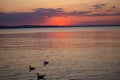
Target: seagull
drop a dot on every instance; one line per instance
(46, 62)
(40, 76)
(31, 68)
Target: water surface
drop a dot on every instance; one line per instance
(75, 53)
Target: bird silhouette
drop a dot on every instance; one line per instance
(46, 62)
(40, 76)
(31, 68)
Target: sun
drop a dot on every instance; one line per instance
(59, 21)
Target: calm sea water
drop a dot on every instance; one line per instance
(73, 53)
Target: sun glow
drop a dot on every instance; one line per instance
(59, 21)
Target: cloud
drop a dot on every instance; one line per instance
(113, 7)
(41, 15)
(104, 14)
(48, 12)
(99, 6)
(78, 13)
(99, 14)
(38, 15)
(116, 14)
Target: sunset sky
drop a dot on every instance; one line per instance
(60, 12)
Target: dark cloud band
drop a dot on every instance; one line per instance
(42, 15)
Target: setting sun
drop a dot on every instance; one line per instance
(59, 39)
(59, 21)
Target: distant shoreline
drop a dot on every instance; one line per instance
(57, 29)
(39, 26)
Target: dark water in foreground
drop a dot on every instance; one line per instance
(73, 55)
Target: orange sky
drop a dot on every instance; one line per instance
(59, 12)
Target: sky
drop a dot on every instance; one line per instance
(59, 12)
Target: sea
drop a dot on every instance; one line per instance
(74, 53)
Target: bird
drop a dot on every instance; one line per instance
(31, 68)
(40, 76)
(46, 62)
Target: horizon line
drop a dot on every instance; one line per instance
(50, 26)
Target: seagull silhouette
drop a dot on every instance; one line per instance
(46, 62)
(31, 68)
(40, 76)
